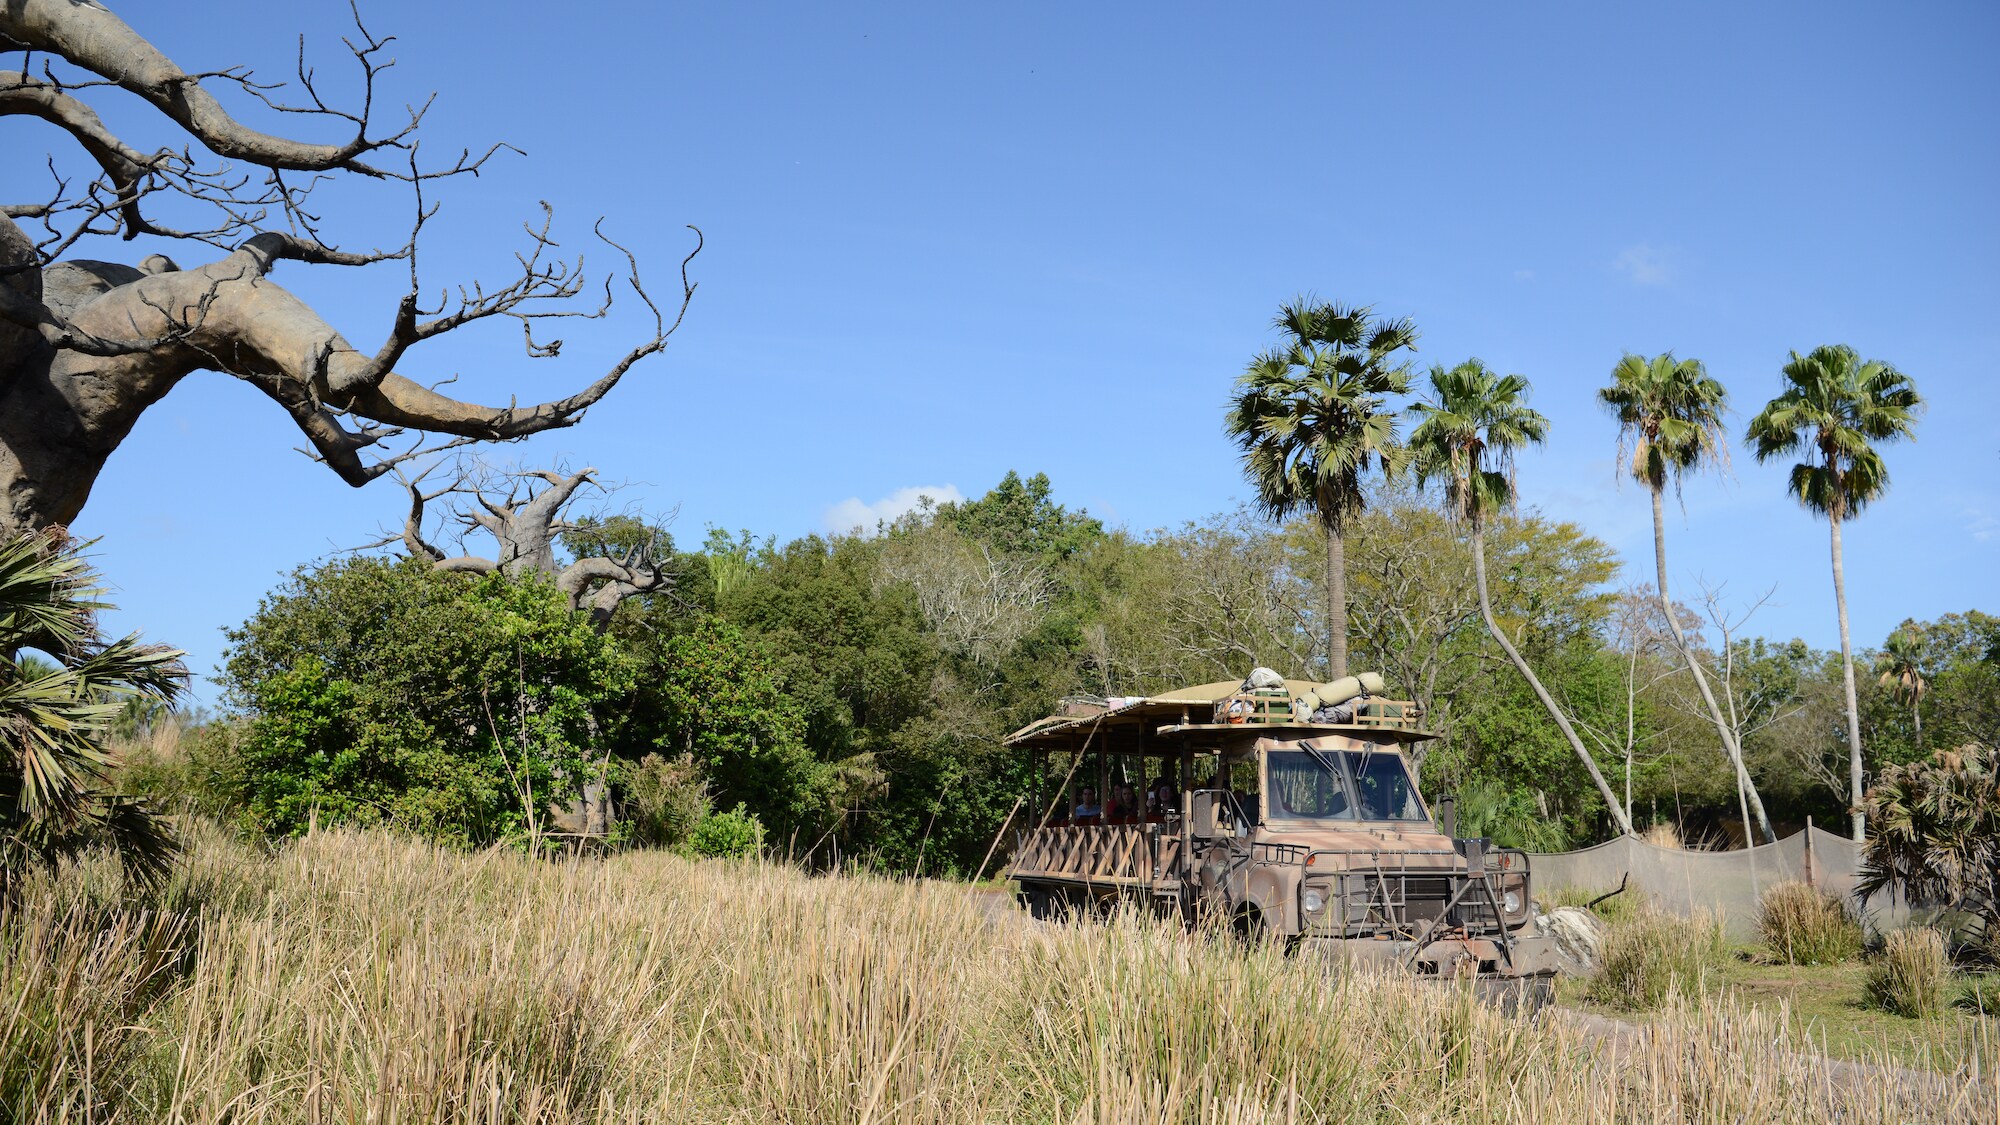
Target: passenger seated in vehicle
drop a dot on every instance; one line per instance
(1124, 803)
(1162, 798)
(1086, 803)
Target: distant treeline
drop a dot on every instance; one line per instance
(850, 693)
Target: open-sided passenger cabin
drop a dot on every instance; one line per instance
(1215, 755)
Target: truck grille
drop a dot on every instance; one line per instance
(1386, 902)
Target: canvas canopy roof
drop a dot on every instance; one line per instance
(1133, 716)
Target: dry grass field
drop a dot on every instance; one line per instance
(364, 978)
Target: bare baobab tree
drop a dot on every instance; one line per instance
(87, 346)
(526, 521)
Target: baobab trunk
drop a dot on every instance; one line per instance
(1336, 605)
(1724, 729)
(1857, 814)
(1611, 801)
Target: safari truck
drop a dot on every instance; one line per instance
(1286, 809)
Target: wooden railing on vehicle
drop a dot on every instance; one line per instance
(1264, 709)
(1116, 854)
(1399, 714)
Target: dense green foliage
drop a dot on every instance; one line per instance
(383, 692)
(851, 693)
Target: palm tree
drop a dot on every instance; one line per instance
(1899, 667)
(1834, 407)
(1472, 423)
(1669, 414)
(1310, 416)
(57, 706)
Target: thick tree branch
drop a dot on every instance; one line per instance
(525, 530)
(87, 35)
(124, 165)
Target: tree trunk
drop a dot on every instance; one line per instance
(1336, 605)
(1631, 720)
(1723, 728)
(1486, 611)
(1856, 814)
(1917, 719)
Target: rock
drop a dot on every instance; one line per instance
(1578, 936)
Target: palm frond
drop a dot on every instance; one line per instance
(1312, 414)
(56, 717)
(1472, 423)
(1840, 407)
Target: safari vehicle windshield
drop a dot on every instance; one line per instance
(1341, 785)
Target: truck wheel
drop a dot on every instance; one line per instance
(1252, 930)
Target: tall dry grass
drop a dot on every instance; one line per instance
(1652, 956)
(363, 978)
(1911, 974)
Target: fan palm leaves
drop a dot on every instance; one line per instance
(1937, 834)
(1670, 423)
(1900, 668)
(1311, 416)
(57, 706)
(1834, 408)
(1669, 415)
(1468, 431)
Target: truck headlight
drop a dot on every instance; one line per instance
(1511, 902)
(1313, 901)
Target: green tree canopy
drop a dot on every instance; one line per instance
(384, 692)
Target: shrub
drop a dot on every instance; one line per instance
(728, 835)
(1909, 978)
(1934, 835)
(1980, 996)
(195, 769)
(1510, 817)
(1653, 955)
(1803, 925)
(665, 799)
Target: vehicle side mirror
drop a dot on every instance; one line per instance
(1202, 807)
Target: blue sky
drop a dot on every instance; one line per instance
(946, 241)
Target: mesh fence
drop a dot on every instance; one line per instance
(1729, 883)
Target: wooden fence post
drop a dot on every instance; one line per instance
(1812, 880)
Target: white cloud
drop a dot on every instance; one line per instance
(1980, 525)
(1645, 264)
(852, 514)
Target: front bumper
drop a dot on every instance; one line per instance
(1526, 955)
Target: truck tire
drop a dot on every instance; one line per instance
(1252, 930)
